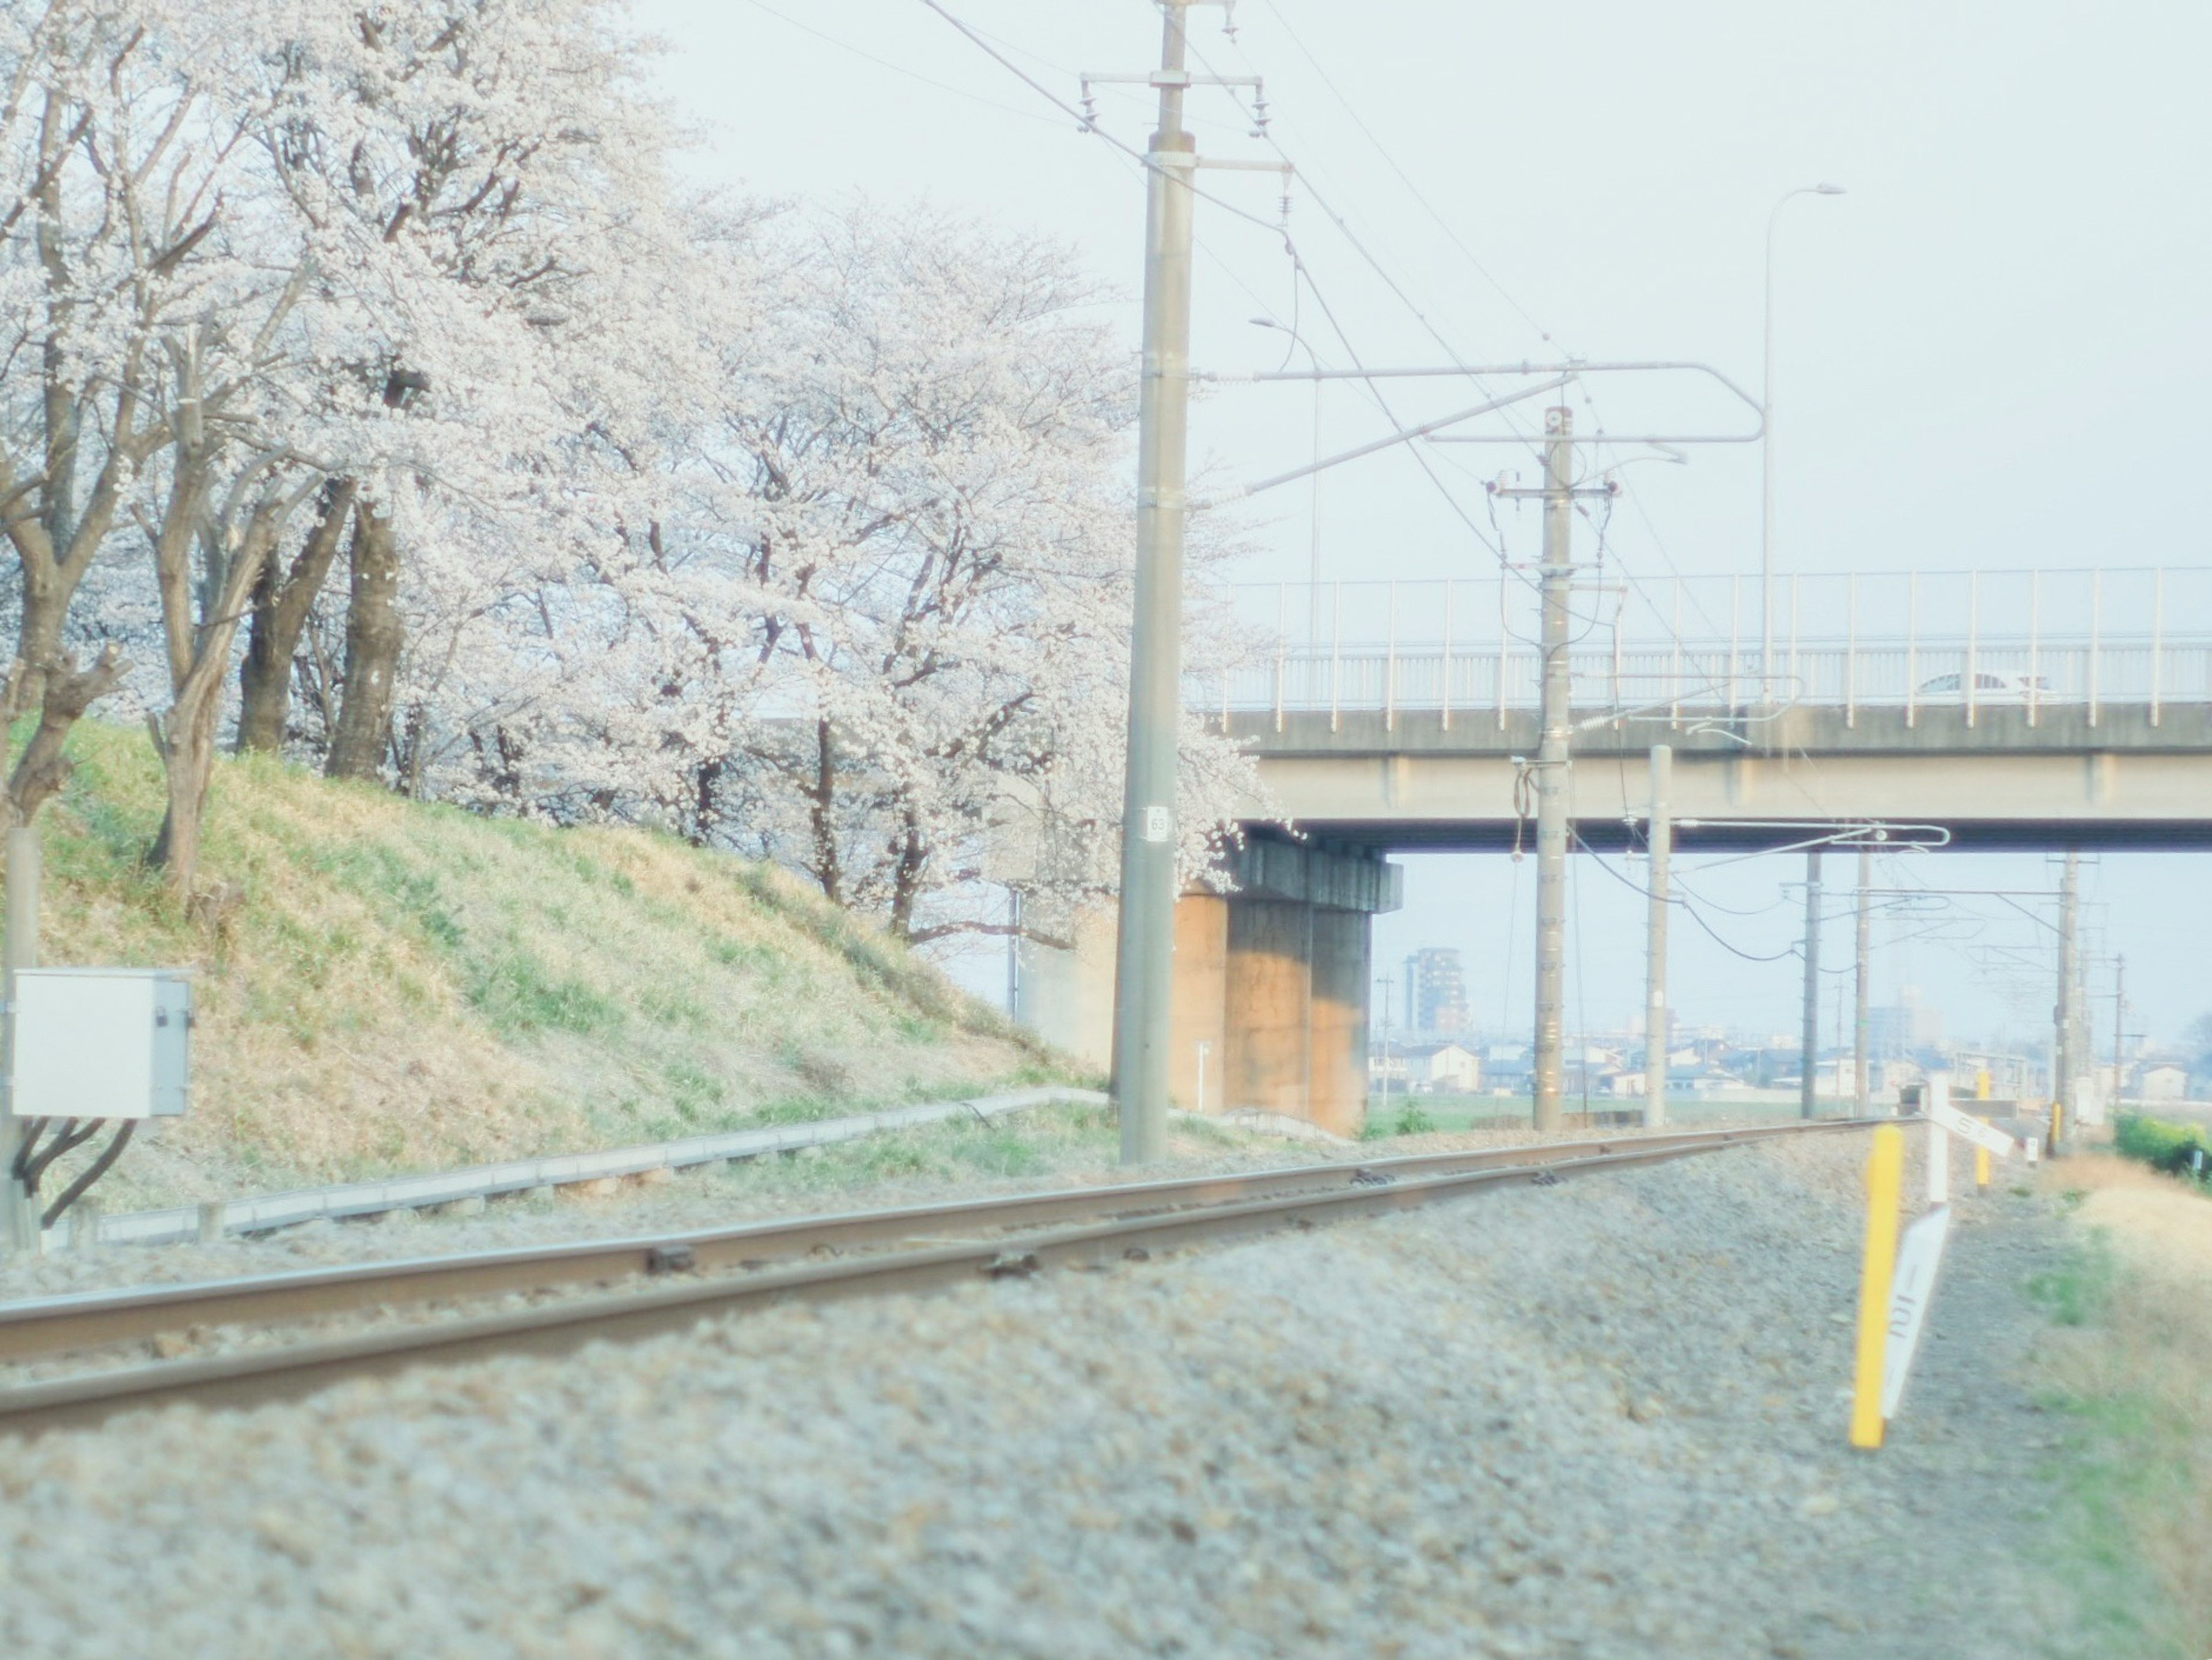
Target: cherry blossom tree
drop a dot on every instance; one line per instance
(800, 533)
(923, 492)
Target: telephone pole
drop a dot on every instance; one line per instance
(1861, 1020)
(1808, 1101)
(1552, 801)
(2065, 1059)
(1145, 934)
(1657, 1026)
(2119, 1023)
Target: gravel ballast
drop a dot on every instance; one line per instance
(958, 1160)
(1600, 1419)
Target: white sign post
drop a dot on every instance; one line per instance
(1936, 1104)
(1971, 1129)
(1919, 1257)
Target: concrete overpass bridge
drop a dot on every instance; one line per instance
(2028, 709)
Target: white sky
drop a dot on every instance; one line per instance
(1985, 351)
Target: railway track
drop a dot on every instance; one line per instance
(626, 1288)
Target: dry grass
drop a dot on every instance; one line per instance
(2132, 1359)
(384, 986)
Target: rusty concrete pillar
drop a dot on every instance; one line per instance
(1067, 996)
(1273, 975)
(1201, 1012)
(1337, 1042)
(1268, 985)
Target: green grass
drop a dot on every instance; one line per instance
(2080, 1287)
(2126, 1368)
(2123, 1462)
(2176, 1149)
(384, 985)
(1471, 1112)
(958, 1150)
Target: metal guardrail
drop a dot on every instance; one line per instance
(186, 1224)
(2030, 640)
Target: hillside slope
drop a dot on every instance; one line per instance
(386, 986)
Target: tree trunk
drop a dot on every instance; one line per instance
(187, 743)
(199, 670)
(822, 810)
(42, 769)
(905, 884)
(37, 638)
(281, 601)
(374, 633)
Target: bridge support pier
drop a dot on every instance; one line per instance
(1272, 979)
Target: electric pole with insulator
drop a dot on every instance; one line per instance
(1809, 1080)
(2119, 1035)
(1144, 962)
(1660, 842)
(1554, 800)
(1863, 1013)
(2066, 1048)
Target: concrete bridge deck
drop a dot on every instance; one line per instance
(2121, 775)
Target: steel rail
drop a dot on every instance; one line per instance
(249, 1377)
(53, 1325)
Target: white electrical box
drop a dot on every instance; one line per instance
(101, 1043)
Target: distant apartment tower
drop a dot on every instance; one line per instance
(1904, 1028)
(1439, 999)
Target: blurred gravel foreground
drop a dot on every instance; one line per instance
(1602, 1419)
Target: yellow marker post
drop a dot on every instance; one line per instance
(2057, 1119)
(1884, 1187)
(1982, 1154)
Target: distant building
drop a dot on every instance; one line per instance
(1442, 1068)
(1905, 1027)
(1509, 1068)
(1437, 1000)
(2162, 1081)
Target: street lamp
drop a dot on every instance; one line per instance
(1766, 452)
(1313, 509)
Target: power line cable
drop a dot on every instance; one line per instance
(897, 67)
(1414, 190)
(1688, 909)
(1084, 123)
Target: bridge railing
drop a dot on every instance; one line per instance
(2030, 641)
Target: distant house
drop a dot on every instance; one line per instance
(1442, 1068)
(2162, 1081)
(1509, 1068)
(1702, 1080)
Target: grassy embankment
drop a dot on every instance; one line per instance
(1395, 1115)
(2130, 1364)
(385, 986)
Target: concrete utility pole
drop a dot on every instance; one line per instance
(2119, 1021)
(1657, 1026)
(1145, 935)
(1862, 1018)
(1552, 763)
(2065, 1056)
(19, 949)
(1808, 1101)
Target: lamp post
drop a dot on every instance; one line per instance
(1766, 452)
(1313, 499)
